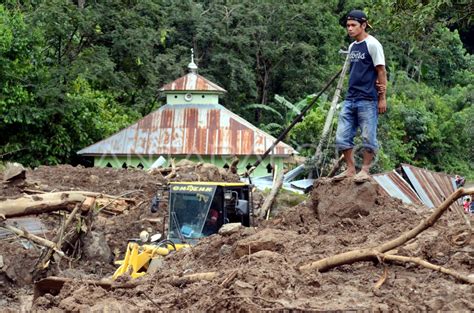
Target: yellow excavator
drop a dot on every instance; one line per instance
(195, 210)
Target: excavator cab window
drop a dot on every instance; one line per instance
(215, 217)
(236, 205)
(197, 210)
(189, 210)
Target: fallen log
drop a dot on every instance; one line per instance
(53, 201)
(371, 253)
(267, 204)
(37, 204)
(86, 193)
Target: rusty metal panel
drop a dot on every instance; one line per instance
(187, 129)
(397, 187)
(191, 118)
(164, 140)
(432, 187)
(166, 119)
(192, 82)
(177, 141)
(212, 141)
(260, 144)
(247, 140)
(224, 136)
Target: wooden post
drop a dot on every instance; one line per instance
(329, 117)
(271, 197)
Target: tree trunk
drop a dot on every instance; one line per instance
(37, 204)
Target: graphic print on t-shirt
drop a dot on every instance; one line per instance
(355, 56)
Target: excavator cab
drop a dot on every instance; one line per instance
(199, 209)
(196, 210)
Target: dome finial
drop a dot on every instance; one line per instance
(192, 66)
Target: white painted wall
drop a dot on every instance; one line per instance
(196, 98)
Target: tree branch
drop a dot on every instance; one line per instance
(370, 253)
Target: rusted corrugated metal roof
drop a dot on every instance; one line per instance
(187, 129)
(397, 187)
(192, 82)
(432, 187)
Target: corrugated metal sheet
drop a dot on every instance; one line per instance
(33, 225)
(192, 82)
(397, 187)
(432, 187)
(186, 129)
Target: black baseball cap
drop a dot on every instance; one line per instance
(359, 16)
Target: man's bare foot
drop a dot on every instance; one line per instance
(361, 177)
(344, 175)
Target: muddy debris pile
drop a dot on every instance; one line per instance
(259, 268)
(124, 203)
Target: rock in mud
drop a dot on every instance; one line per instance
(94, 179)
(96, 247)
(225, 250)
(229, 229)
(267, 239)
(344, 199)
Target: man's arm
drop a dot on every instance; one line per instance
(381, 85)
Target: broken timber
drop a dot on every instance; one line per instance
(53, 201)
(37, 204)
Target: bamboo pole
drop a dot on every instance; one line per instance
(330, 116)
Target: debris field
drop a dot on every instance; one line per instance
(244, 269)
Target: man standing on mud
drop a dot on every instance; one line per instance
(365, 97)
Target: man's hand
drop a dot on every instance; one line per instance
(382, 103)
(382, 106)
(381, 88)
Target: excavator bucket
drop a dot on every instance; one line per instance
(138, 257)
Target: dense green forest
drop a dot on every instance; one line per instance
(74, 72)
